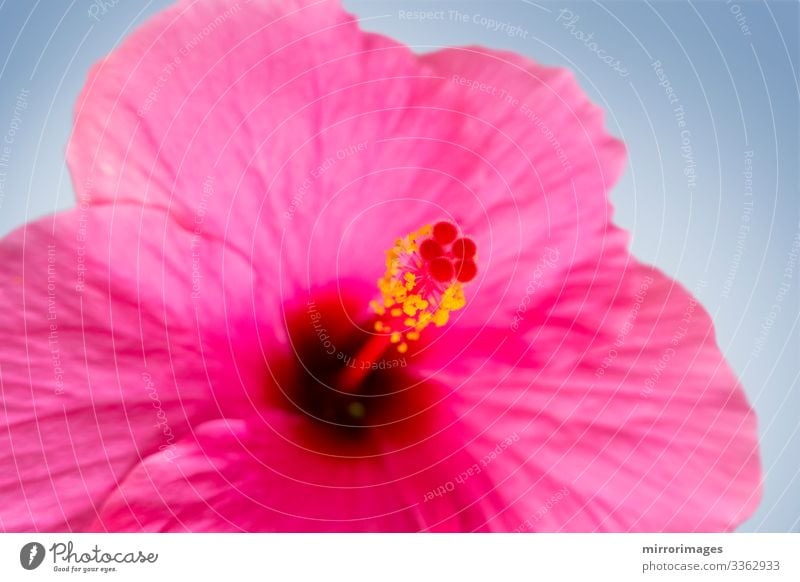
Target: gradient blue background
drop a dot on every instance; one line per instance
(739, 91)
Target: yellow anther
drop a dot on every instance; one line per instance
(441, 317)
(399, 293)
(410, 308)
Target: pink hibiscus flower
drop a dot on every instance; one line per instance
(216, 339)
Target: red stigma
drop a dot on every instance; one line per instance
(464, 248)
(444, 232)
(448, 255)
(466, 270)
(430, 249)
(441, 269)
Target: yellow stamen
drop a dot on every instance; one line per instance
(410, 298)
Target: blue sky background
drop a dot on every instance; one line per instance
(732, 65)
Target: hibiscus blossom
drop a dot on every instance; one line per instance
(317, 282)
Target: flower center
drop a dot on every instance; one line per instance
(423, 283)
(349, 363)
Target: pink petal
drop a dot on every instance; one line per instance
(628, 416)
(322, 141)
(106, 358)
(270, 475)
(253, 97)
(547, 165)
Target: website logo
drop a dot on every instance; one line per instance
(31, 555)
